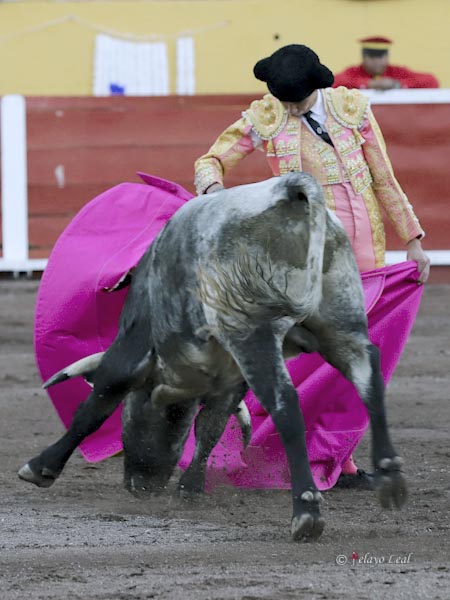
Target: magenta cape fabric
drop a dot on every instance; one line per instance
(77, 316)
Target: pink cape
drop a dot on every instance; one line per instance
(76, 316)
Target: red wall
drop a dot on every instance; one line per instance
(104, 141)
(419, 147)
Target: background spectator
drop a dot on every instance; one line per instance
(376, 73)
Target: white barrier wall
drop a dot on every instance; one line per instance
(14, 187)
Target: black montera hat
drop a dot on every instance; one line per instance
(293, 73)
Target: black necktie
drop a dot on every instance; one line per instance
(317, 128)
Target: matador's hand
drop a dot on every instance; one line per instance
(416, 253)
(384, 83)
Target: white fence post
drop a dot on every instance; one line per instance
(14, 180)
(13, 142)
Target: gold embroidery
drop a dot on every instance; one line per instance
(293, 164)
(205, 175)
(387, 188)
(267, 116)
(334, 129)
(292, 146)
(346, 146)
(348, 107)
(356, 164)
(362, 181)
(288, 166)
(359, 140)
(226, 152)
(293, 126)
(329, 197)
(283, 167)
(377, 226)
(270, 150)
(333, 174)
(319, 159)
(280, 147)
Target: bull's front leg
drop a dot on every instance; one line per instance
(209, 426)
(112, 380)
(44, 469)
(260, 359)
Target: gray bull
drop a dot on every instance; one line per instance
(235, 283)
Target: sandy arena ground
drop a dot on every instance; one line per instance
(86, 537)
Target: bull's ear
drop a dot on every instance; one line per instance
(296, 194)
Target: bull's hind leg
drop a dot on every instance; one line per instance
(153, 440)
(209, 426)
(359, 361)
(112, 380)
(260, 359)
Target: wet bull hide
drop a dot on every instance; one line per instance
(235, 283)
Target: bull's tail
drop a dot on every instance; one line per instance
(249, 290)
(85, 367)
(304, 187)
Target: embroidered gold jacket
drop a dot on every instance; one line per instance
(358, 157)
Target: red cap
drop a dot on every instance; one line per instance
(375, 42)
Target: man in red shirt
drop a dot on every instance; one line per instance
(375, 72)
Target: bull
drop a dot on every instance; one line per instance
(235, 283)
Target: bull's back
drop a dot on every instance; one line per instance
(268, 218)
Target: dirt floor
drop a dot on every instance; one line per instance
(86, 537)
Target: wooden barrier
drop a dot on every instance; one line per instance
(78, 147)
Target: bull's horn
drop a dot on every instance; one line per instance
(245, 423)
(85, 367)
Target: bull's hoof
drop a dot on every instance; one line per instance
(191, 486)
(391, 483)
(307, 527)
(190, 494)
(42, 477)
(143, 486)
(308, 524)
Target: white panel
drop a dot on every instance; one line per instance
(185, 66)
(139, 68)
(14, 178)
(164, 72)
(425, 96)
(437, 257)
